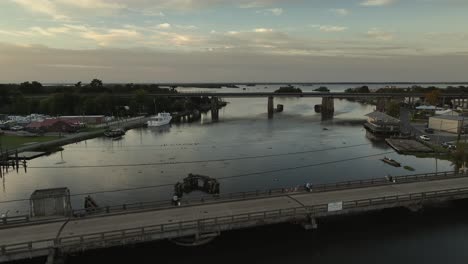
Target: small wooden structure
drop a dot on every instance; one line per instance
(50, 202)
(196, 183)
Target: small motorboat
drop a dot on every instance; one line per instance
(391, 162)
(114, 133)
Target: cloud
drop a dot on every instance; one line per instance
(263, 30)
(91, 4)
(46, 7)
(19, 64)
(378, 34)
(186, 27)
(377, 2)
(329, 28)
(340, 11)
(111, 36)
(164, 26)
(276, 11)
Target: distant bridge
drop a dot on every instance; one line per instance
(340, 95)
(198, 221)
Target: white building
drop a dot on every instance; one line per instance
(447, 123)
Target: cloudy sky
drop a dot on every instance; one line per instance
(238, 41)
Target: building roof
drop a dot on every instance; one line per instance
(382, 117)
(449, 117)
(428, 107)
(50, 193)
(50, 122)
(447, 112)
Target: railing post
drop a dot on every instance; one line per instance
(30, 245)
(107, 209)
(3, 250)
(124, 206)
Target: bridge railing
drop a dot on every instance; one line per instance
(214, 224)
(273, 192)
(8, 220)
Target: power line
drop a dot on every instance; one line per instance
(221, 178)
(194, 161)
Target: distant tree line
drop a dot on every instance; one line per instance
(92, 98)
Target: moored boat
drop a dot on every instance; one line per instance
(114, 133)
(391, 162)
(160, 120)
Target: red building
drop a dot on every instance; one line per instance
(54, 125)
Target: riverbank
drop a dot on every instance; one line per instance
(50, 142)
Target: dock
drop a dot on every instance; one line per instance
(27, 155)
(70, 235)
(408, 146)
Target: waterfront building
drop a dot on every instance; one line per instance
(382, 124)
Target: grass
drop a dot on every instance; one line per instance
(13, 142)
(409, 168)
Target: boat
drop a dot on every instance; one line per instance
(391, 162)
(114, 133)
(160, 120)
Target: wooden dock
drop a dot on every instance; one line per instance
(408, 146)
(27, 155)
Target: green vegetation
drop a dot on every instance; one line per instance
(288, 89)
(409, 168)
(362, 89)
(322, 89)
(12, 142)
(94, 98)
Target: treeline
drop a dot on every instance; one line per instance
(412, 89)
(90, 99)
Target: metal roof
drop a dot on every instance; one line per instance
(50, 193)
(382, 117)
(449, 117)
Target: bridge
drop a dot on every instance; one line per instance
(196, 222)
(327, 106)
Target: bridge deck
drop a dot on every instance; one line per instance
(90, 225)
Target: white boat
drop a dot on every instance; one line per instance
(160, 120)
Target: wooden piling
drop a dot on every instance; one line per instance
(16, 160)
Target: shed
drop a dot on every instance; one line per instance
(50, 202)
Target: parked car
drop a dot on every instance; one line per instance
(16, 128)
(449, 145)
(424, 137)
(429, 130)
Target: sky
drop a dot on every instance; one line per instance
(233, 41)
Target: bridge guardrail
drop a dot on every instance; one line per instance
(272, 192)
(163, 204)
(213, 224)
(14, 219)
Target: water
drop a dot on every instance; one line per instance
(297, 147)
(299, 150)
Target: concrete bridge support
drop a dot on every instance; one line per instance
(214, 109)
(328, 108)
(270, 107)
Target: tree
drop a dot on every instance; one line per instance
(78, 84)
(141, 99)
(433, 97)
(393, 109)
(96, 84)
